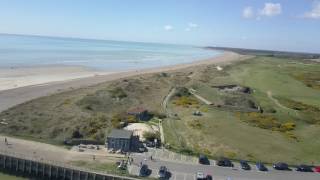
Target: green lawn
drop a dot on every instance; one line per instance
(10, 177)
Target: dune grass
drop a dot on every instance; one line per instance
(281, 133)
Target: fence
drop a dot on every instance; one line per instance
(43, 169)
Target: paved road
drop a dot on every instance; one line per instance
(204, 100)
(187, 171)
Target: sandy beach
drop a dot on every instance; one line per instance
(28, 76)
(22, 84)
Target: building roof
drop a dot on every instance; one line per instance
(136, 110)
(119, 133)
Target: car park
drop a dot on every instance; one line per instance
(244, 165)
(304, 168)
(200, 176)
(163, 173)
(204, 160)
(281, 166)
(144, 171)
(261, 167)
(224, 162)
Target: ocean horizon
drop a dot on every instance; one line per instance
(110, 55)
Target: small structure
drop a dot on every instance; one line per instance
(140, 113)
(197, 113)
(119, 140)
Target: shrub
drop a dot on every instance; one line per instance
(186, 101)
(118, 92)
(260, 120)
(131, 119)
(150, 136)
(182, 91)
(195, 124)
(291, 135)
(289, 126)
(116, 120)
(76, 134)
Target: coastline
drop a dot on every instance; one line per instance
(29, 90)
(18, 77)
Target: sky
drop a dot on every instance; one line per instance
(289, 25)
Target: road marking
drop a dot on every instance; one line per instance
(184, 177)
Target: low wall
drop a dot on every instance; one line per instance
(44, 170)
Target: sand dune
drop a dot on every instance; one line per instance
(24, 84)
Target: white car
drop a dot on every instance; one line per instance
(200, 176)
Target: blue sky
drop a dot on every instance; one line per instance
(292, 25)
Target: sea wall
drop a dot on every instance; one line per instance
(44, 170)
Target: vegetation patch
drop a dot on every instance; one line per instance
(122, 119)
(151, 136)
(186, 101)
(195, 124)
(118, 92)
(110, 168)
(308, 113)
(265, 121)
(310, 79)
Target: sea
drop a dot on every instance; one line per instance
(26, 51)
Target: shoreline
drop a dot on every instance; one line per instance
(18, 95)
(19, 77)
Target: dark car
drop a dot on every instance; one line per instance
(209, 177)
(144, 171)
(304, 168)
(150, 144)
(224, 162)
(281, 166)
(163, 173)
(244, 165)
(261, 167)
(204, 160)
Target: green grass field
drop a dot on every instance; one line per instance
(10, 177)
(222, 133)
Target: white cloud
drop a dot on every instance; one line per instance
(248, 12)
(168, 27)
(315, 11)
(192, 25)
(271, 9)
(187, 29)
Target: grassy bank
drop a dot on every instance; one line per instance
(280, 133)
(10, 177)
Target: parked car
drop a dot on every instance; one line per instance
(244, 165)
(281, 166)
(204, 160)
(200, 176)
(224, 162)
(316, 169)
(261, 167)
(163, 173)
(304, 168)
(209, 177)
(122, 165)
(150, 144)
(144, 171)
